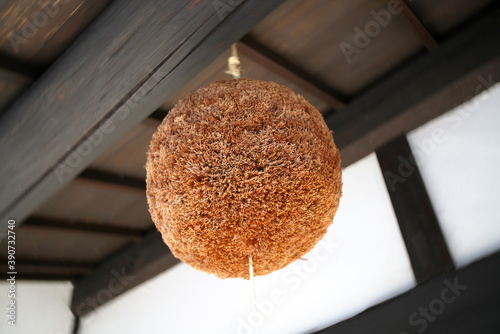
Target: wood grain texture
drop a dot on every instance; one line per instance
(443, 16)
(11, 85)
(424, 240)
(39, 31)
(418, 27)
(128, 155)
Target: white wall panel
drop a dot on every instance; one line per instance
(459, 158)
(41, 307)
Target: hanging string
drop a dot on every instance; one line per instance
(233, 63)
(252, 280)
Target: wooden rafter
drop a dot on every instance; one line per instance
(425, 243)
(280, 66)
(417, 25)
(83, 227)
(111, 179)
(19, 67)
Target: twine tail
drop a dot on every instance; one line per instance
(233, 63)
(252, 280)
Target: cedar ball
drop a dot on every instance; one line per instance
(242, 167)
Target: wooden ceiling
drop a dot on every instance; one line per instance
(68, 67)
(33, 34)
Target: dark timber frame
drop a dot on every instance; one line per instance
(21, 68)
(420, 29)
(419, 226)
(53, 224)
(110, 179)
(268, 59)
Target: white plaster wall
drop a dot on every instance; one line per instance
(459, 157)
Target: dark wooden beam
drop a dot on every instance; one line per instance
(81, 266)
(40, 277)
(52, 263)
(425, 243)
(110, 179)
(127, 63)
(462, 67)
(280, 66)
(19, 67)
(121, 272)
(418, 27)
(83, 227)
(76, 325)
(459, 302)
